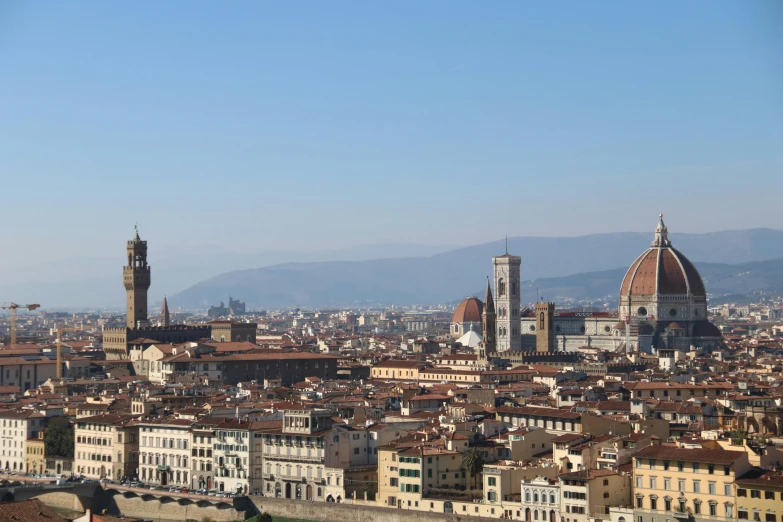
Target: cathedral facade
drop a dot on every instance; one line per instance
(662, 305)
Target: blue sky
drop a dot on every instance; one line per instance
(308, 125)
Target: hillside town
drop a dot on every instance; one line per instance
(666, 408)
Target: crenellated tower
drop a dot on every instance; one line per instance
(136, 277)
(545, 327)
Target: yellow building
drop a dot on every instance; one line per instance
(409, 470)
(758, 496)
(687, 484)
(106, 446)
(34, 454)
(397, 370)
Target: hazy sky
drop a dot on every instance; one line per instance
(308, 125)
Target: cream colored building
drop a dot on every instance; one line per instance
(202, 475)
(165, 454)
(106, 446)
(588, 494)
(16, 427)
(295, 458)
(758, 496)
(34, 452)
(683, 483)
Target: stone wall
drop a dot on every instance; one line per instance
(172, 510)
(328, 512)
(64, 500)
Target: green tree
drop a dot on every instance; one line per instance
(473, 462)
(58, 439)
(368, 487)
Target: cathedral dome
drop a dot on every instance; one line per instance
(468, 311)
(662, 270)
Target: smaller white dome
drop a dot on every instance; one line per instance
(470, 339)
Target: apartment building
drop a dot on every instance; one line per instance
(35, 450)
(202, 475)
(407, 469)
(759, 496)
(106, 446)
(686, 482)
(165, 451)
(296, 456)
(673, 391)
(540, 499)
(232, 457)
(18, 426)
(587, 494)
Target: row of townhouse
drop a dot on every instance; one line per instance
(306, 456)
(622, 478)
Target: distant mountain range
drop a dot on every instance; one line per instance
(96, 282)
(585, 267)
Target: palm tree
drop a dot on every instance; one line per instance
(473, 462)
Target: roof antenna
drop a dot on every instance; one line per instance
(506, 244)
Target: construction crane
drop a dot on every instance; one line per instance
(13, 307)
(59, 347)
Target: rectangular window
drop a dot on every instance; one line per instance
(713, 510)
(742, 514)
(711, 488)
(652, 483)
(742, 492)
(639, 480)
(771, 517)
(755, 493)
(696, 486)
(667, 484)
(681, 485)
(727, 490)
(639, 503)
(492, 481)
(769, 495)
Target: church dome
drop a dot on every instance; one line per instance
(468, 311)
(662, 270)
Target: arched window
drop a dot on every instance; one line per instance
(513, 288)
(501, 287)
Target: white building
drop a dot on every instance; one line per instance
(164, 449)
(16, 427)
(231, 458)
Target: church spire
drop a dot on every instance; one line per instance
(661, 234)
(488, 324)
(165, 318)
(489, 303)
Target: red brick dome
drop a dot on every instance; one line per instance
(662, 270)
(468, 311)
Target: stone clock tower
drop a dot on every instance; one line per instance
(507, 302)
(136, 277)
